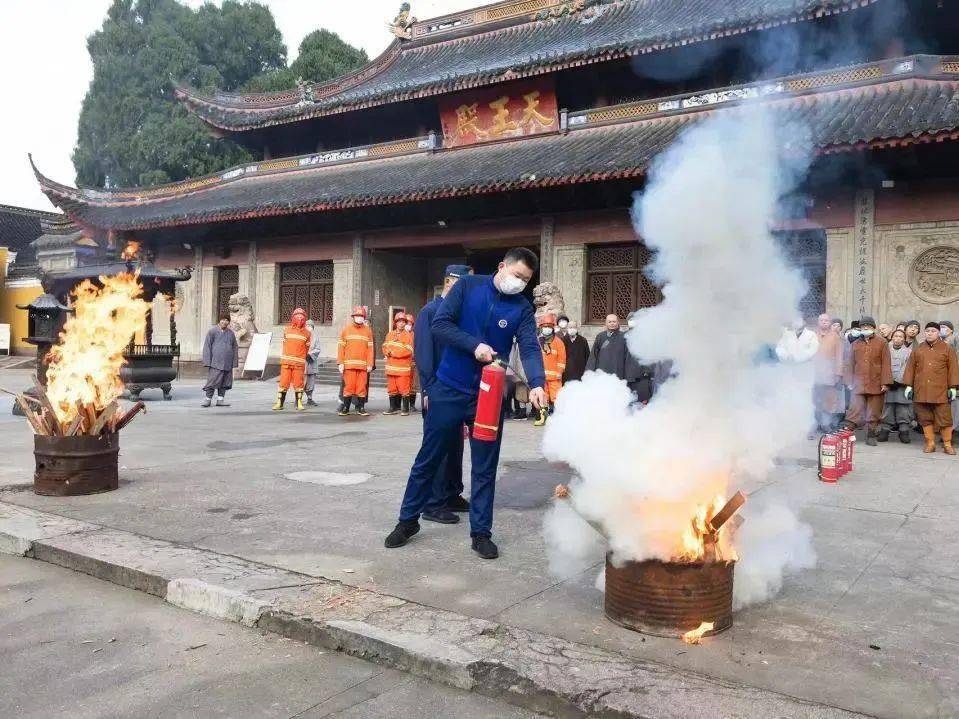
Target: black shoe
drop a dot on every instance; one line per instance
(394, 405)
(441, 516)
(311, 403)
(883, 435)
(403, 532)
(905, 436)
(871, 439)
(361, 409)
(458, 504)
(485, 547)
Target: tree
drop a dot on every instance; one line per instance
(323, 56)
(131, 130)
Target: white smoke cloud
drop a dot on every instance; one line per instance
(727, 293)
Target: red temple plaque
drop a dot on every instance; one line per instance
(515, 109)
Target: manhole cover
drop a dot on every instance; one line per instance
(329, 479)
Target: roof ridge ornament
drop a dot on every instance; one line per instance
(402, 25)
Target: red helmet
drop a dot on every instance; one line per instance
(546, 320)
(359, 311)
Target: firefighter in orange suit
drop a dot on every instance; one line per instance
(554, 362)
(296, 343)
(398, 351)
(354, 359)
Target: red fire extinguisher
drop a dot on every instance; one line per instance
(848, 439)
(829, 449)
(489, 405)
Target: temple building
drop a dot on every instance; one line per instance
(532, 122)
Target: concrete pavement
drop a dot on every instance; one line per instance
(314, 494)
(74, 646)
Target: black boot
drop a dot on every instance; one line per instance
(401, 534)
(309, 400)
(905, 436)
(441, 516)
(413, 402)
(883, 435)
(405, 411)
(458, 504)
(345, 407)
(485, 547)
(871, 438)
(394, 404)
(361, 407)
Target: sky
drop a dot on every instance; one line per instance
(47, 71)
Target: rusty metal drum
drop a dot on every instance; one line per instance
(70, 466)
(670, 598)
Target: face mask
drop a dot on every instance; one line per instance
(855, 333)
(943, 333)
(562, 324)
(868, 333)
(547, 331)
(511, 285)
(573, 331)
(407, 326)
(358, 320)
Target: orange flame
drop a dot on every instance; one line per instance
(695, 636)
(85, 366)
(699, 532)
(131, 251)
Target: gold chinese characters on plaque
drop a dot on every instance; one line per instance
(512, 110)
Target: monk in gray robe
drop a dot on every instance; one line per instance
(220, 356)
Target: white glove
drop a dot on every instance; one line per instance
(340, 368)
(952, 394)
(369, 368)
(908, 393)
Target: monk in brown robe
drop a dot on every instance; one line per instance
(931, 378)
(827, 387)
(868, 375)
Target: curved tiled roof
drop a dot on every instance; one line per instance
(885, 104)
(600, 30)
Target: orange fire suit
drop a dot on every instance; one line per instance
(355, 353)
(296, 342)
(398, 350)
(554, 362)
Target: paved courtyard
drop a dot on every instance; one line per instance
(871, 629)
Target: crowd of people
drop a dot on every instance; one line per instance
(886, 378)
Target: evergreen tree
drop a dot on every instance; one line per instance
(131, 130)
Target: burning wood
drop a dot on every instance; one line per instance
(695, 636)
(87, 420)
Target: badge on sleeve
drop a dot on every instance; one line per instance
(502, 324)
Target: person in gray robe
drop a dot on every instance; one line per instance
(312, 362)
(897, 413)
(609, 350)
(220, 356)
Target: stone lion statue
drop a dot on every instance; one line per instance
(547, 298)
(241, 322)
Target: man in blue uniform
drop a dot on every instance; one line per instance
(447, 493)
(476, 322)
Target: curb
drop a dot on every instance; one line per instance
(535, 671)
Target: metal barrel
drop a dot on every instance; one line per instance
(670, 598)
(68, 466)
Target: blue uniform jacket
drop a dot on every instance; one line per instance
(474, 311)
(427, 350)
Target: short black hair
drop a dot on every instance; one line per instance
(524, 255)
(220, 318)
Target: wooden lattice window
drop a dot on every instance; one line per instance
(807, 252)
(227, 283)
(616, 283)
(308, 285)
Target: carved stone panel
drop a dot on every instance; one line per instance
(934, 275)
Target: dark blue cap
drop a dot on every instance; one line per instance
(458, 270)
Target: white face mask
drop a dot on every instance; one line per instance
(407, 326)
(358, 320)
(547, 331)
(573, 331)
(563, 324)
(511, 285)
(868, 333)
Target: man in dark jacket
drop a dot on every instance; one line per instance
(639, 377)
(220, 357)
(447, 495)
(476, 324)
(609, 350)
(577, 353)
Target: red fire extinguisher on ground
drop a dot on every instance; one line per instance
(848, 439)
(829, 451)
(489, 405)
